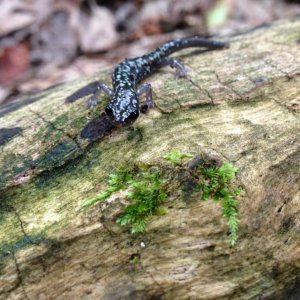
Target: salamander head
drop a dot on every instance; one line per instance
(123, 109)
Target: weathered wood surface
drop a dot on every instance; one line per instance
(242, 105)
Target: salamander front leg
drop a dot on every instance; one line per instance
(146, 88)
(181, 71)
(95, 88)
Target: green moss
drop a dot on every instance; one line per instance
(176, 157)
(216, 184)
(148, 187)
(117, 181)
(146, 194)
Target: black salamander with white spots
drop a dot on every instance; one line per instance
(124, 107)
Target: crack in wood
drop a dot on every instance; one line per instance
(22, 226)
(236, 93)
(58, 129)
(204, 91)
(20, 279)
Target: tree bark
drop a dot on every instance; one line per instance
(240, 104)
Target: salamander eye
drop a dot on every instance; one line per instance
(130, 118)
(109, 111)
(133, 115)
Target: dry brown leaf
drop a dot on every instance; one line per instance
(96, 30)
(14, 15)
(14, 61)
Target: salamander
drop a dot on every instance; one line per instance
(124, 107)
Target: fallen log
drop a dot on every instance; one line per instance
(240, 105)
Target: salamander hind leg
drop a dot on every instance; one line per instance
(181, 70)
(146, 89)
